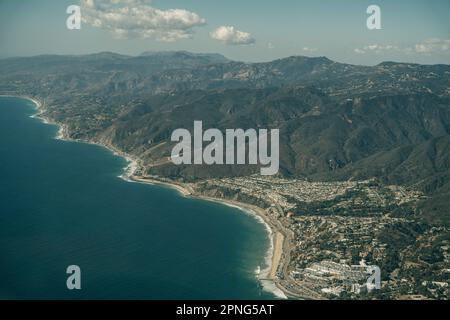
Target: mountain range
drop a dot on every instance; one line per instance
(337, 121)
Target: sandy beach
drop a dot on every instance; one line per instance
(275, 251)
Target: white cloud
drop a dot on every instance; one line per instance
(230, 35)
(376, 48)
(270, 45)
(433, 46)
(310, 50)
(138, 19)
(429, 46)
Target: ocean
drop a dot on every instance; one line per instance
(62, 203)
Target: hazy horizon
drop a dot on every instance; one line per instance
(411, 31)
(212, 53)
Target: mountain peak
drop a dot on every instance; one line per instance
(214, 57)
(305, 59)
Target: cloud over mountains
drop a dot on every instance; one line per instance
(428, 46)
(230, 35)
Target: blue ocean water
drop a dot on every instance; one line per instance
(62, 203)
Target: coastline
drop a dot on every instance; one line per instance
(275, 252)
(133, 164)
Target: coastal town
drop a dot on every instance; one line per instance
(329, 237)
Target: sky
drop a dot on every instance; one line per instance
(246, 30)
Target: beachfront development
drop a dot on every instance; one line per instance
(325, 234)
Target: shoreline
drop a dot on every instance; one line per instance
(274, 255)
(133, 164)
